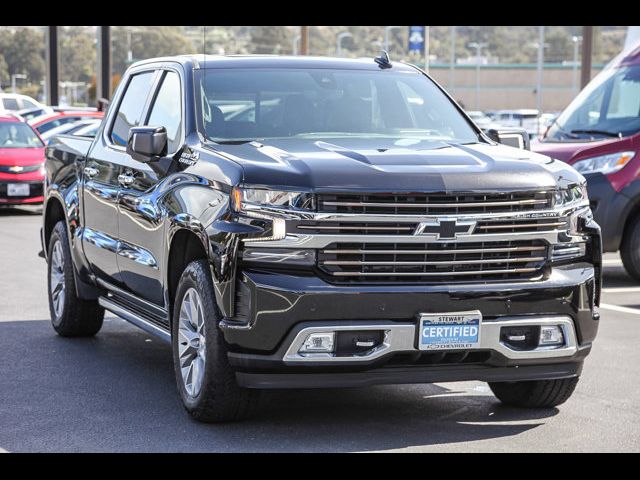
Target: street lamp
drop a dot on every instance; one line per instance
(478, 46)
(576, 41)
(13, 80)
(540, 45)
(387, 30)
(339, 39)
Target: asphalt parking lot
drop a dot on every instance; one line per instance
(116, 392)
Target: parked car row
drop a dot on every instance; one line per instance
(23, 137)
(534, 122)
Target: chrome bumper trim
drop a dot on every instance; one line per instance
(401, 337)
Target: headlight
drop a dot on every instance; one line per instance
(572, 196)
(605, 163)
(242, 197)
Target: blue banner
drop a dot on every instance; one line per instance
(416, 39)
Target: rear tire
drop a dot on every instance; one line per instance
(206, 381)
(630, 249)
(70, 316)
(534, 394)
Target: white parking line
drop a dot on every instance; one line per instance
(621, 289)
(619, 308)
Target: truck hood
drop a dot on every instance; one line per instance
(350, 164)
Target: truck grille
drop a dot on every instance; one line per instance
(433, 204)
(433, 262)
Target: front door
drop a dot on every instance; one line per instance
(141, 222)
(103, 177)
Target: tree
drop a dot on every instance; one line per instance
(271, 39)
(77, 54)
(23, 52)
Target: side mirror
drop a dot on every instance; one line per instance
(514, 137)
(147, 144)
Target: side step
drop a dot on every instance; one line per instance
(135, 319)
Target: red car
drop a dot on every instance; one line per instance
(21, 162)
(48, 121)
(599, 134)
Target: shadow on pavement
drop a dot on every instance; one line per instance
(8, 211)
(116, 392)
(615, 276)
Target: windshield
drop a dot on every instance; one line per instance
(608, 107)
(18, 135)
(257, 104)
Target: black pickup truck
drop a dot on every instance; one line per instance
(297, 222)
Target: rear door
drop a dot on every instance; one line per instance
(102, 176)
(141, 227)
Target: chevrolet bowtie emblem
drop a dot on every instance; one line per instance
(16, 169)
(445, 228)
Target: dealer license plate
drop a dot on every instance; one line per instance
(449, 331)
(18, 190)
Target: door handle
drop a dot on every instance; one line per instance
(91, 171)
(126, 179)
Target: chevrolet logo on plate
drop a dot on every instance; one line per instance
(445, 228)
(16, 169)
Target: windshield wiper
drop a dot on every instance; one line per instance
(561, 130)
(599, 132)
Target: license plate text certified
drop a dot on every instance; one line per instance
(18, 190)
(449, 331)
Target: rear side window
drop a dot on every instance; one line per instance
(131, 106)
(28, 103)
(45, 127)
(167, 111)
(11, 104)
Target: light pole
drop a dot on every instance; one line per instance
(13, 80)
(296, 41)
(339, 39)
(478, 46)
(387, 30)
(576, 41)
(452, 66)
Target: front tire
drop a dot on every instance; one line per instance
(206, 381)
(70, 316)
(534, 394)
(630, 249)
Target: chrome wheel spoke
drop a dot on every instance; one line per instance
(191, 342)
(56, 280)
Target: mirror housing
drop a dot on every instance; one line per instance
(514, 137)
(147, 144)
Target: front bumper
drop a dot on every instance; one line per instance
(282, 305)
(35, 197)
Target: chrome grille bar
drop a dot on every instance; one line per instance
(430, 252)
(437, 205)
(501, 226)
(434, 274)
(448, 262)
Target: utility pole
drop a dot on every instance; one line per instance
(539, 70)
(296, 44)
(339, 39)
(387, 30)
(587, 48)
(304, 40)
(53, 60)
(452, 61)
(426, 48)
(478, 47)
(104, 63)
(576, 41)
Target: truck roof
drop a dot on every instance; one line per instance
(275, 61)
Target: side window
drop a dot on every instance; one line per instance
(167, 111)
(11, 104)
(131, 106)
(28, 104)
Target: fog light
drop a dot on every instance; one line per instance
(318, 343)
(551, 335)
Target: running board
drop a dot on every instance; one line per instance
(135, 319)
